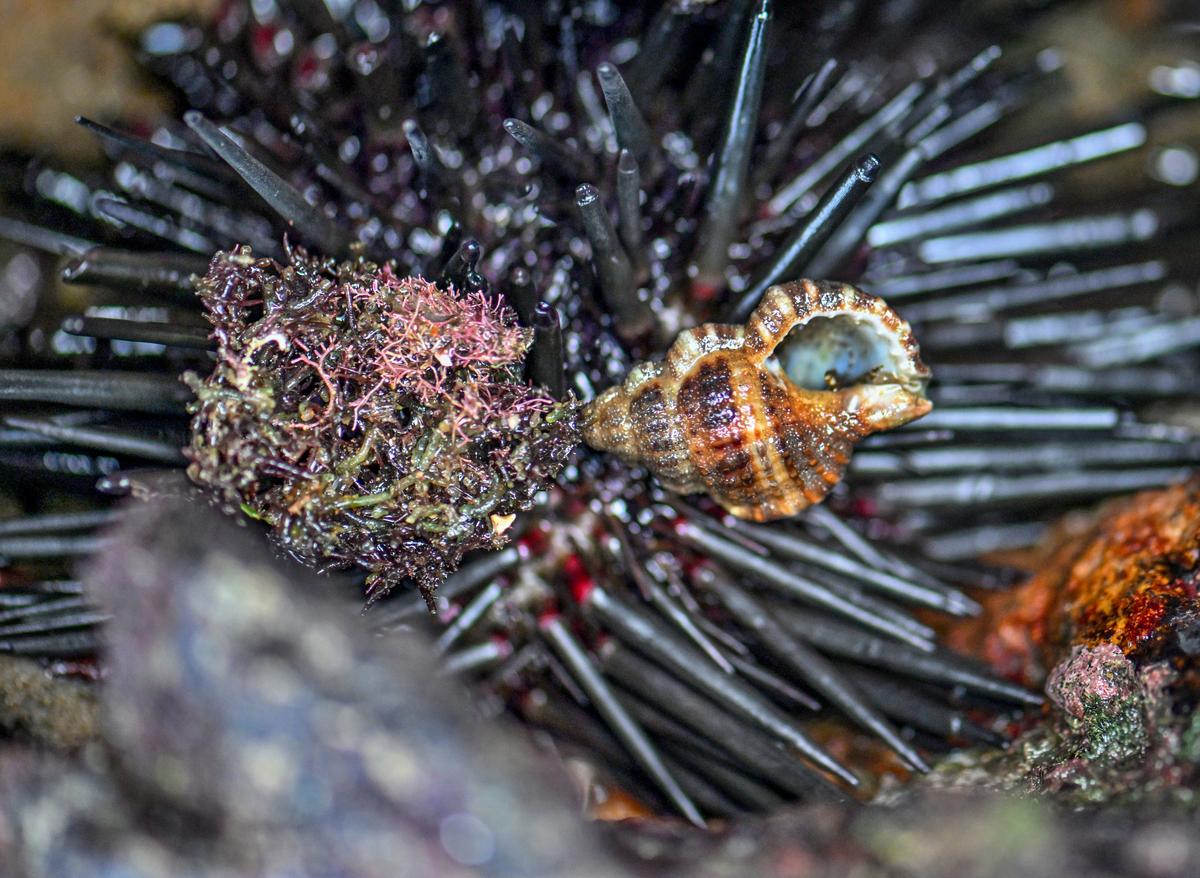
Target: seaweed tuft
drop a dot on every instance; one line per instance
(368, 418)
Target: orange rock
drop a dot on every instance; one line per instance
(1122, 577)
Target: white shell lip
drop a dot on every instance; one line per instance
(807, 330)
(857, 339)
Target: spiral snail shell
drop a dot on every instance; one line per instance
(763, 417)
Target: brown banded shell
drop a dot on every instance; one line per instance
(763, 417)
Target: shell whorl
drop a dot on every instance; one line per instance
(763, 417)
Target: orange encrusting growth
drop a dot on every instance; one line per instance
(1117, 579)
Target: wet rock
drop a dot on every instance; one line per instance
(35, 706)
(251, 727)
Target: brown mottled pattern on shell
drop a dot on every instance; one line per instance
(802, 447)
(813, 438)
(713, 418)
(720, 430)
(660, 439)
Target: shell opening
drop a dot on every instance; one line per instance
(845, 349)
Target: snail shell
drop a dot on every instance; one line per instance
(763, 417)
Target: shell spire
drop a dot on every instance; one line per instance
(763, 417)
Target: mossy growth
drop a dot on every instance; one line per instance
(1103, 705)
(368, 418)
(1189, 747)
(1112, 732)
